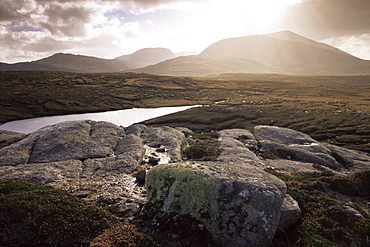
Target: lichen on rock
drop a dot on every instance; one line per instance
(181, 190)
(238, 203)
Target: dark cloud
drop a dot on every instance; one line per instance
(66, 20)
(327, 18)
(13, 11)
(63, 18)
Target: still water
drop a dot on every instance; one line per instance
(125, 118)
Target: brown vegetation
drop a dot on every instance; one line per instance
(329, 108)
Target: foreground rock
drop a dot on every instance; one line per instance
(232, 196)
(238, 203)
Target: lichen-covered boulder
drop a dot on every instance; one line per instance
(238, 203)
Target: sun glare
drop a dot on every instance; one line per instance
(262, 12)
(235, 17)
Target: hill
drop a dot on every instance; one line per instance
(69, 63)
(282, 52)
(289, 53)
(147, 56)
(202, 65)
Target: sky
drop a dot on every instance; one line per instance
(34, 29)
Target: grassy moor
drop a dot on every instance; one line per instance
(329, 108)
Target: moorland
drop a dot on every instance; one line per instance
(334, 109)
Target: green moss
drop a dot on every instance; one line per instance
(186, 191)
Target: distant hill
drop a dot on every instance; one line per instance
(185, 53)
(147, 56)
(287, 52)
(70, 63)
(291, 36)
(282, 52)
(202, 65)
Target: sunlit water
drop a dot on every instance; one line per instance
(124, 118)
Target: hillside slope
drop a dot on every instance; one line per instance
(70, 63)
(147, 56)
(202, 65)
(289, 53)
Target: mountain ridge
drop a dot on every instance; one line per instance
(70, 63)
(147, 56)
(283, 52)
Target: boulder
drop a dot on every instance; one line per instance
(297, 167)
(104, 167)
(60, 174)
(352, 159)
(136, 129)
(238, 203)
(279, 135)
(131, 145)
(232, 197)
(76, 140)
(242, 135)
(290, 213)
(9, 137)
(234, 150)
(19, 152)
(294, 145)
(168, 138)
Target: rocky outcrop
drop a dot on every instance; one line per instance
(290, 212)
(9, 137)
(351, 159)
(238, 203)
(76, 140)
(232, 196)
(57, 174)
(294, 145)
(234, 150)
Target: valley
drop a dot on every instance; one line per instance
(329, 108)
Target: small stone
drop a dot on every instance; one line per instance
(140, 177)
(127, 210)
(153, 161)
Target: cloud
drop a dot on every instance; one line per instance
(15, 10)
(358, 45)
(327, 18)
(31, 29)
